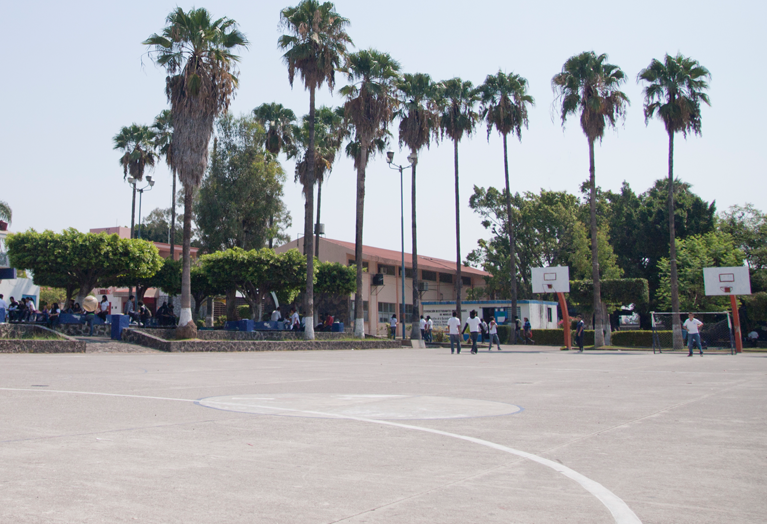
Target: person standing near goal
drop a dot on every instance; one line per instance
(693, 325)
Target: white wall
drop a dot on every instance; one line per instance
(19, 287)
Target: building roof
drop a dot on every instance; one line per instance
(395, 258)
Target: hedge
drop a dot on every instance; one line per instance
(635, 338)
(547, 337)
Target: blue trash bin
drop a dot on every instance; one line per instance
(119, 322)
(338, 327)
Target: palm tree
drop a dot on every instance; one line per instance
(314, 46)
(458, 117)
(329, 133)
(674, 92)
(418, 123)
(589, 85)
(138, 146)
(6, 213)
(278, 121)
(369, 107)
(163, 129)
(197, 53)
(504, 107)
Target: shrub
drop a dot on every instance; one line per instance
(244, 312)
(636, 338)
(504, 334)
(556, 337)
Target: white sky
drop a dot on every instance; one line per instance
(74, 76)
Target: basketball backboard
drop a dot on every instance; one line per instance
(727, 281)
(551, 279)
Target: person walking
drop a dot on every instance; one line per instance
(422, 325)
(393, 323)
(493, 331)
(429, 328)
(454, 332)
(472, 324)
(579, 333)
(693, 325)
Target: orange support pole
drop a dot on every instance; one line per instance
(736, 322)
(566, 319)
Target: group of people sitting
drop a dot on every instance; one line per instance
(21, 311)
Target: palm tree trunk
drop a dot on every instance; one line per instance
(132, 225)
(512, 243)
(173, 221)
(599, 337)
(676, 323)
(458, 281)
(415, 332)
(185, 317)
(317, 225)
(359, 317)
(308, 216)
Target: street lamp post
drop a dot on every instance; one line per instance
(412, 158)
(140, 195)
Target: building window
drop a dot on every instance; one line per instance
(408, 271)
(431, 276)
(447, 278)
(466, 281)
(365, 313)
(549, 314)
(365, 264)
(386, 270)
(385, 311)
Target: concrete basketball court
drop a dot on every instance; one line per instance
(524, 435)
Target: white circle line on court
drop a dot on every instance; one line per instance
(620, 511)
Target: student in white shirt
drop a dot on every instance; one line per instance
(422, 325)
(454, 332)
(393, 322)
(473, 324)
(429, 328)
(693, 325)
(493, 332)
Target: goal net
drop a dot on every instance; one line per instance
(715, 333)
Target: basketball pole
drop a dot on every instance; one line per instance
(566, 319)
(736, 323)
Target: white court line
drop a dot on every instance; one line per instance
(620, 511)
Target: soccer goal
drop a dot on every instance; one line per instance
(715, 333)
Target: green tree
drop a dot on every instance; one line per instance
(715, 249)
(156, 227)
(418, 125)
(197, 53)
(255, 273)
(748, 228)
(137, 144)
(335, 278)
(163, 141)
(315, 46)
(457, 101)
(369, 106)
(239, 203)
(590, 86)
(278, 121)
(504, 107)
(674, 92)
(85, 258)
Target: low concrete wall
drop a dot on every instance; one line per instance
(220, 334)
(11, 341)
(150, 339)
(81, 330)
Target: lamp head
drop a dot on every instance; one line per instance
(149, 178)
(151, 182)
(389, 157)
(131, 181)
(412, 158)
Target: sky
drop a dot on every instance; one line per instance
(76, 72)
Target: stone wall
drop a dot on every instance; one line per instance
(82, 330)
(150, 338)
(220, 334)
(11, 341)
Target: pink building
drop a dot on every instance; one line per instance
(380, 302)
